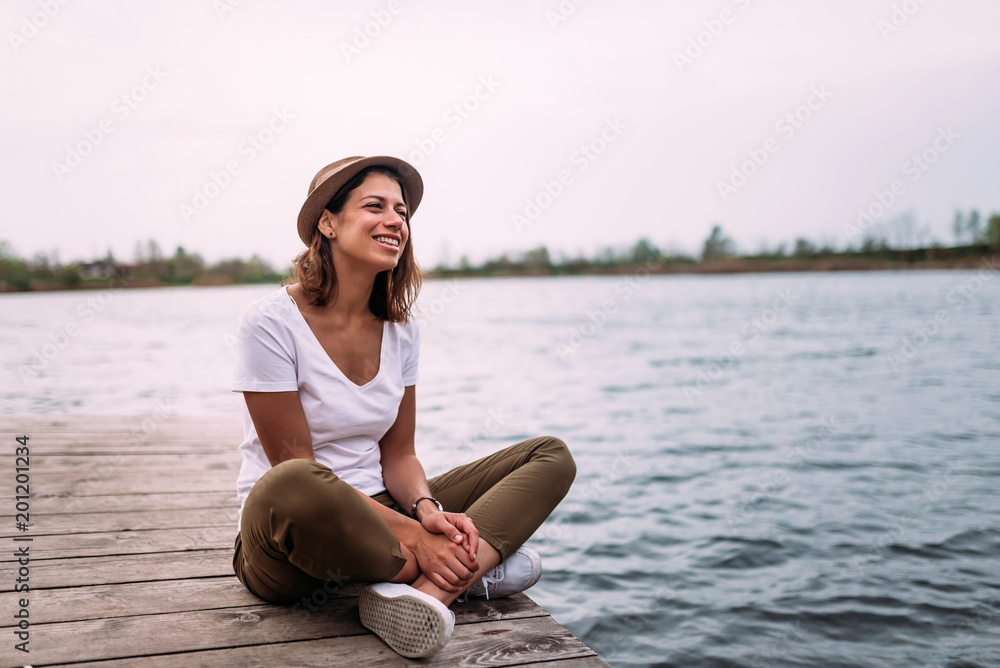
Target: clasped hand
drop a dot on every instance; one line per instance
(446, 550)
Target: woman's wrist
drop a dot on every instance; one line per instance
(424, 505)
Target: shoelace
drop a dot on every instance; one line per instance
(490, 579)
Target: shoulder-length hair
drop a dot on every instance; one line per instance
(394, 291)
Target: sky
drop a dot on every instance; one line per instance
(577, 124)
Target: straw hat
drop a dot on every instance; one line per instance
(332, 178)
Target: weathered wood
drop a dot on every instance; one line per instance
(125, 503)
(146, 598)
(347, 643)
(47, 573)
(153, 634)
(139, 520)
(133, 521)
(62, 546)
(68, 463)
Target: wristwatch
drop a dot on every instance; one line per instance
(413, 508)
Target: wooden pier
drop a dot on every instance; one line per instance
(132, 521)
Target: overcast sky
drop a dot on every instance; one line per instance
(574, 126)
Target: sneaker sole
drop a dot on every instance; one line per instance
(412, 626)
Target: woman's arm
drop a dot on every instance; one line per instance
(406, 481)
(284, 434)
(281, 425)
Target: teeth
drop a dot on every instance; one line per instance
(388, 240)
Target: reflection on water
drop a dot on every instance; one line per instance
(774, 470)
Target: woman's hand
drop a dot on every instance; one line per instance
(457, 527)
(442, 558)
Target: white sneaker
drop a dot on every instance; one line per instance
(511, 576)
(412, 623)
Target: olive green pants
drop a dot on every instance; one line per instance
(302, 527)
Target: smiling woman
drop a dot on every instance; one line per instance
(330, 486)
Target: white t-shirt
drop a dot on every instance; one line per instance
(277, 352)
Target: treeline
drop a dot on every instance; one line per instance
(897, 241)
(150, 267)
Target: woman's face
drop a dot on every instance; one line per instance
(372, 227)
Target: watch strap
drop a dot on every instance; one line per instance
(413, 508)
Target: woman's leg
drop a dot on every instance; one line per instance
(507, 495)
(302, 526)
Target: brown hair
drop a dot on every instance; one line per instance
(394, 291)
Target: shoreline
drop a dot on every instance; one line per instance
(659, 267)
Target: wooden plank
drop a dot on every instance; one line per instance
(72, 604)
(108, 503)
(87, 483)
(51, 573)
(150, 635)
(483, 644)
(139, 598)
(61, 546)
(139, 520)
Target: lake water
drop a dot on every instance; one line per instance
(774, 469)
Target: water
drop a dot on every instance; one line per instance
(774, 470)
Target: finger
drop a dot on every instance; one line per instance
(474, 544)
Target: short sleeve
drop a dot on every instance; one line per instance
(265, 354)
(411, 355)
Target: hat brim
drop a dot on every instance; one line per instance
(413, 189)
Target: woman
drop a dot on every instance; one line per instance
(330, 485)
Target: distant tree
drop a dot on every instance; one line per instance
(644, 250)
(958, 227)
(973, 227)
(538, 258)
(804, 248)
(153, 252)
(992, 236)
(69, 275)
(718, 245)
(184, 268)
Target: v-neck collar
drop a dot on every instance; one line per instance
(312, 335)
